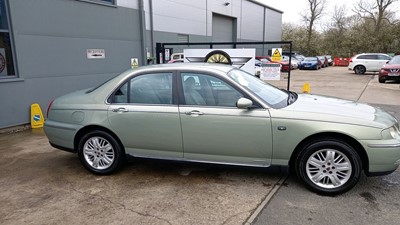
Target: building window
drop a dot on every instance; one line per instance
(6, 52)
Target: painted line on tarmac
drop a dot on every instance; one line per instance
(266, 200)
(365, 88)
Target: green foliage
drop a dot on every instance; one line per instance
(347, 36)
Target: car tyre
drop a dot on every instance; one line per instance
(100, 153)
(359, 69)
(381, 80)
(328, 167)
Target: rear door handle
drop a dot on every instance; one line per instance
(120, 110)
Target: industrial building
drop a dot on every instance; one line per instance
(52, 47)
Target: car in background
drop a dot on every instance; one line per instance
(310, 63)
(219, 114)
(300, 57)
(176, 57)
(294, 62)
(391, 70)
(324, 61)
(330, 60)
(368, 62)
(176, 61)
(267, 59)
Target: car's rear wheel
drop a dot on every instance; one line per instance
(381, 80)
(359, 69)
(328, 167)
(100, 153)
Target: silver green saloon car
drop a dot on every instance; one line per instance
(214, 113)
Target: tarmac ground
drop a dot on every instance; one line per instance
(42, 185)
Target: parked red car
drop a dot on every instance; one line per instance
(391, 70)
(284, 65)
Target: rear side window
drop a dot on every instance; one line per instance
(383, 57)
(146, 89)
(367, 57)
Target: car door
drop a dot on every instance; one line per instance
(215, 130)
(382, 60)
(143, 114)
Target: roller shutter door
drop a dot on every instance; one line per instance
(222, 28)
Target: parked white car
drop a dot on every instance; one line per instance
(368, 62)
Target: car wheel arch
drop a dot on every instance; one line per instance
(330, 136)
(90, 128)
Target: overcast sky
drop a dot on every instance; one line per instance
(293, 8)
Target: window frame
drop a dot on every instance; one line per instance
(11, 77)
(113, 3)
(127, 81)
(181, 97)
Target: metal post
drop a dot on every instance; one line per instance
(290, 65)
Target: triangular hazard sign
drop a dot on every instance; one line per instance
(276, 53)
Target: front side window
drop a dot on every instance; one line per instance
(6, 53)
(146, 89)
(273, 96)
(202, 89)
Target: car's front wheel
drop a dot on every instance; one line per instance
(329, 167)
(381, 80)
(100, 153)
(359, 69)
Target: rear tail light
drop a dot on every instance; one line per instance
(48, 108)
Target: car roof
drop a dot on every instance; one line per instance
(187, 66)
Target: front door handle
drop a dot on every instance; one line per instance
(194, 113)
(121, 110)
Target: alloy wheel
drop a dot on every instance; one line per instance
(98, 153)
(328, 168)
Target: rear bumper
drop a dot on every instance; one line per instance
(61, 135)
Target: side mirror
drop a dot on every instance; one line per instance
(244, 103)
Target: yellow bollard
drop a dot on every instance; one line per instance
(37, 119)
(306, 88)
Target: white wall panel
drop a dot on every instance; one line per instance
(273, 25)
(252, 21)
(133, 4)
(178, 16)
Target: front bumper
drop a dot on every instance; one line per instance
(383, 156)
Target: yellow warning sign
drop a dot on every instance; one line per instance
(276, 54)
(134, 63)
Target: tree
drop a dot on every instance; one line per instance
(310, 17)
(376, 11)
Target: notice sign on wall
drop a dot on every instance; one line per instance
(96, 53)
(270, 71)
(3, 62)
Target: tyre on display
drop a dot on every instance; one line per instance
(100, 153)
(328, 167)
(218, 56)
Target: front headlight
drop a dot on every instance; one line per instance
(392, 132)
(395, 131)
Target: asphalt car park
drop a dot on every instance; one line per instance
(41, 185)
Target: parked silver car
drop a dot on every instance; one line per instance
(219, 114)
